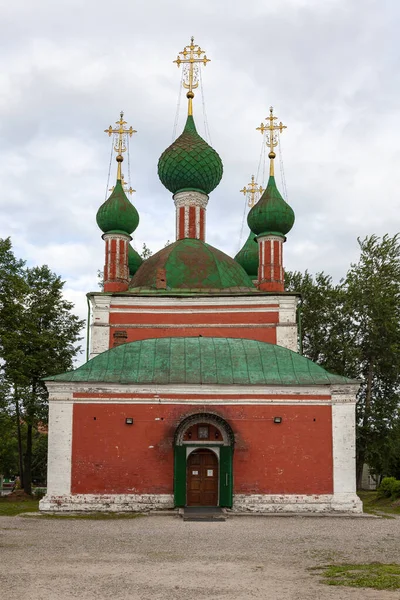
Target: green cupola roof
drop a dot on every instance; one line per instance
(190, 265)
(117, 213)
(134, 260)
(271, 215)
(190, 163)
(248, 257)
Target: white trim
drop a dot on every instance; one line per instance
(201, 390)
(186, 228)
(256, 299)
(190, 198)
(190, 449)
(193, 325)
(197, 213)
(59, 447)
(192, 311)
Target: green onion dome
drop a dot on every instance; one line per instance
(117, 213)
(248, 258)
(134, 260)
(271, 215)
(190, 163)
(191, 265)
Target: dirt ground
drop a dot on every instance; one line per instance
(154, 558)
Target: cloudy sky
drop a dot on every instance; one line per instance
(329, 67)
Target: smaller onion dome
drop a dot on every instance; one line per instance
(117, 213)
(271, 215)
(190, 163)
(134, 260)
(248, 257)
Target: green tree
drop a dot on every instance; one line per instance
(41, 341)
(353, 328)
(373, 301)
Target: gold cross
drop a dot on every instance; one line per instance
(272, 140)
(124, 185)
(253, 192)
(120, 140)
(190, 75)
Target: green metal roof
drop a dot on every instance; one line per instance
(117, 213)
(248, 257)
(191, 264)
(271, 214)
(201, 360)
(190, 163)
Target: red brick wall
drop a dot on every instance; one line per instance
(108, 456)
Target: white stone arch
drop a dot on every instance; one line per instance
(228, 437)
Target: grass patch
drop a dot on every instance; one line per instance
(374, 505)
(9, 508)
(374, 575)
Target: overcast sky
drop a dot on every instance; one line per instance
(329, 67)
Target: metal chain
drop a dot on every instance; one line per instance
(109, 168)
(177, 108)
(206, 127)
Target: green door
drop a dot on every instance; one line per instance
(180, 476)
(226, 477)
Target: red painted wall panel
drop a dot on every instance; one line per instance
(262, 334)
(108, 456)
(159, 318)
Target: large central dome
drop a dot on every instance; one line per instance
(192, 265)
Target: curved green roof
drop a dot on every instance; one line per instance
(134, 260)
(191, 264)
(201, 360)
(248, 257)
(117, 213)
(190, 163)
(271, 214)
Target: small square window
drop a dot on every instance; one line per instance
(202, 432)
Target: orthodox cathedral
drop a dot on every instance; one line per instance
(195, 393)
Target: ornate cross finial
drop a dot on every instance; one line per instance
(120, 134)
(190, 57)
(271, 130)
(253, 192)
(127, 190)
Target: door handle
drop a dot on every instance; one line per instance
(226, 478)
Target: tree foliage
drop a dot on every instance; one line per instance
(38, 336)
(353, 328)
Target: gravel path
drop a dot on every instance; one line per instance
(154, 558)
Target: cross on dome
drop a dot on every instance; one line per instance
(191, 57)
(272, 140)
(120, 134)
(253, 192)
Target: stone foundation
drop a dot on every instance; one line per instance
(264, 503)
(106, 502)
(256, 503)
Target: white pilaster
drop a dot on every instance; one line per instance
(60, 448)
(100, 326)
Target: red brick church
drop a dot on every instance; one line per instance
(195, 393)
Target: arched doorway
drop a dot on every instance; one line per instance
(206, 478)
(202, 478)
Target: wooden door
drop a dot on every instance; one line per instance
(202, 478)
